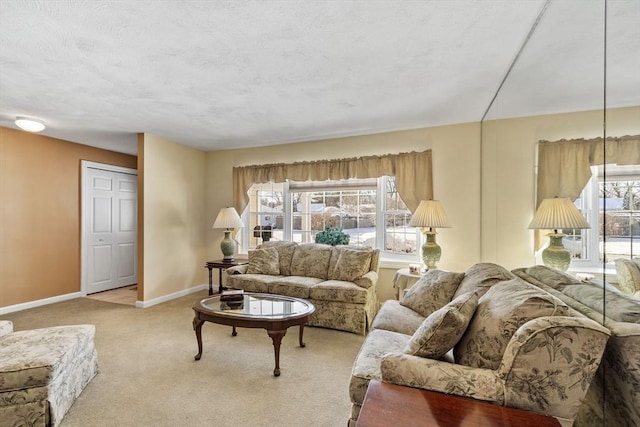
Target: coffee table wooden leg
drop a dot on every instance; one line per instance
(234, 332)
(197, 326)
(302, 344)
(276, 337)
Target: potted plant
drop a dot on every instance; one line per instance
(332, 236)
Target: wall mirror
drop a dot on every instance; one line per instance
(575, 78)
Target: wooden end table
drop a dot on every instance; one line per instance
(394, 405)
(221, 265)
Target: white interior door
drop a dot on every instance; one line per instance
(110, 229)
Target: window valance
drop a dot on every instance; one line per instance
(412, 171)
(564, 166)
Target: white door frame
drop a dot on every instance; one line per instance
(84, 177)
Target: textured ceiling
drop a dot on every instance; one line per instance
(230, 74)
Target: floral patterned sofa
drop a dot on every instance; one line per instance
(619, 373)
(340, 281)
(484, 334)
(43, 371)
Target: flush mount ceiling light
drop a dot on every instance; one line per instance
(30, 125)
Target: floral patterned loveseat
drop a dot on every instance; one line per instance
(339, 280)
(43, 371)
(619, 374)
(484, 334)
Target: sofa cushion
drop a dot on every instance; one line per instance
(264, 261)
(350, 264)
(432, 291)
(628, 274)
(397, 318)
(34, 358)
(293, 286)
(311, 260)
(338, 290)
(501, 311)
(619, 307)
(479, 277)
(367, 364)
(251, 282)
(551, 277)
(285, 254)
(443, 328)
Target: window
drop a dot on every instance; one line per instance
(370, 211)
(611, 204)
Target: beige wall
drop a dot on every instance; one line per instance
(174, 208)
(508, 174)
(40, 214)
(456, 177)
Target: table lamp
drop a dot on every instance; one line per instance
(429, 215)
(228, 219)
(557, 214)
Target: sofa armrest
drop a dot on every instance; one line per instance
(238, 269)
(549, 363)
(6, 327)
(441, 376)
(367, 280)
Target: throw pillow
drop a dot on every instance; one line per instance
(351, 264)
(311, 260)
(439, 332)
(285, 254)
(501, 311)
(264, 261)
(434, 290)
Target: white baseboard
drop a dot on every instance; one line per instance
(139, 304)
(38, 303)
(169, 297)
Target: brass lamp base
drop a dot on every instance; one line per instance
(431, 251)
(555, 255)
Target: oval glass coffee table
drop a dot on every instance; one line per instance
(275, 313)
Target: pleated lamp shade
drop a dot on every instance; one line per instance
(558, 213)
(430, 213)
(228, 218)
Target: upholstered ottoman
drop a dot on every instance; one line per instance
(43, 371)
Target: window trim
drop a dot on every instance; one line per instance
(388, 259)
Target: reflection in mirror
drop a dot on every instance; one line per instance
(576, 79)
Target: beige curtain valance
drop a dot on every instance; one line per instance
(564, 167)
(413, 173)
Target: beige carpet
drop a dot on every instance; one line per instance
(148, 376)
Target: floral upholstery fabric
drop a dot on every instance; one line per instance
(501, 311)
(264, 261)
(311, 260)
(628, 272)
(43, 371)
(367, 364)
(6, 327)
(397, 318)
(552, 277)
(292, 286)
(433, 291)
(350, 263)
(479, 277)
(550, 364)
(619, 373)
(443, 328)
(338, 290)
(251, 282)
(347, 305)
(285, 254)
(546, 365)
(619, 307)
